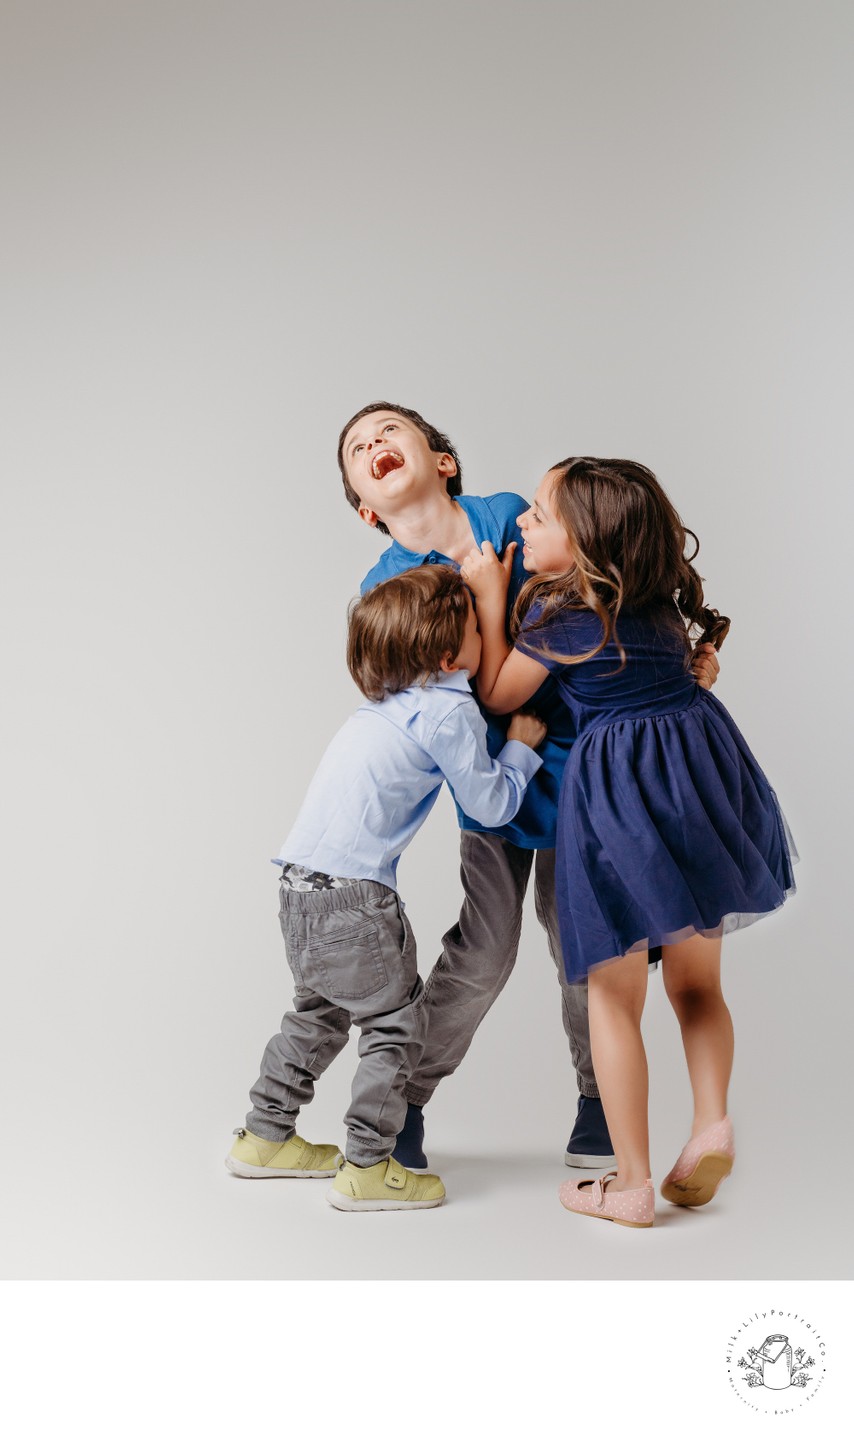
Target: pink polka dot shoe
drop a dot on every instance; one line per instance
(701, 1167)
(633, 1207)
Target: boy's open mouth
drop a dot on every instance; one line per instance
(385, 462)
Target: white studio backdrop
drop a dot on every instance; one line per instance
(552, 228)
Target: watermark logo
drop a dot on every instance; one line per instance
(776, 1361)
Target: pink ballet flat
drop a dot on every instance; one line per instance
(633, 1207)
(701, 1167)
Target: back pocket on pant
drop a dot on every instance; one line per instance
(348, 968)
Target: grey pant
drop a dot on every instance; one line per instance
(352, 955)
(478, 955)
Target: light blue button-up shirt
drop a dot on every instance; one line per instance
(382, 773)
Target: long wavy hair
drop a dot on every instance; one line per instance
(629, 547)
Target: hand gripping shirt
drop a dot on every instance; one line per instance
(382, 773)
(494, 518)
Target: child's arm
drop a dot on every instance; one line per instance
(488, 790)
(506, 678)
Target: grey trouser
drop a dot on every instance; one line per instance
(352, 955)
(478, 955)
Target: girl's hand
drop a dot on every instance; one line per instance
(487, 576)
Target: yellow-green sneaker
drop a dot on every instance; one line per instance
(384, 1185)
(253, 1157)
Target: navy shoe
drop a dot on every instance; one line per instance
(590, 1142)
(409, 1149)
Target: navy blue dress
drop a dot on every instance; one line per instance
(667, 825)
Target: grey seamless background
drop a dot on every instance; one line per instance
(609, 228)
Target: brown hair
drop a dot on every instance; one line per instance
(628, 545)
(402, 629)
(438, 442)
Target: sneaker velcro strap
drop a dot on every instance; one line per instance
(395, 1176)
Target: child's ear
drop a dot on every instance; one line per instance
(447, 465)
(368, 516)
(447, 663)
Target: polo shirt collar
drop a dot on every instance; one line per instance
(483, 525)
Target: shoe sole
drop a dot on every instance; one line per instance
(622, 1222)
(589, 1160)
(701, 1184)
(346, 1204)
(249, 1170)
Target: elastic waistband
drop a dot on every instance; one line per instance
(681, 708)
(354, 896)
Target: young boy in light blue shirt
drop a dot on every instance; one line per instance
(412, 647)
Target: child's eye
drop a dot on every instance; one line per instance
(357, 447)
(389, 426)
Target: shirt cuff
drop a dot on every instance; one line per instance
(521, 756)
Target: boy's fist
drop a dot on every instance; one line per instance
(705, 665)
(527, 728)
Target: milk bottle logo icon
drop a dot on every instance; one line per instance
(776, 1365)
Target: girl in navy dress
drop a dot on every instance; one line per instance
(668, 831)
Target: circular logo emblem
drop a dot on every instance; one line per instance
(776, 1361)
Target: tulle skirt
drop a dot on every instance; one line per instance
(667, 827)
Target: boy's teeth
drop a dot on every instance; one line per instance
(384, 462)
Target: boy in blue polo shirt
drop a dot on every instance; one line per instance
(404, 478)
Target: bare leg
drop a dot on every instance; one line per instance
(692, 980)
(616, 994)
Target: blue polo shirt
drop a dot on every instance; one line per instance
(494, 518)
